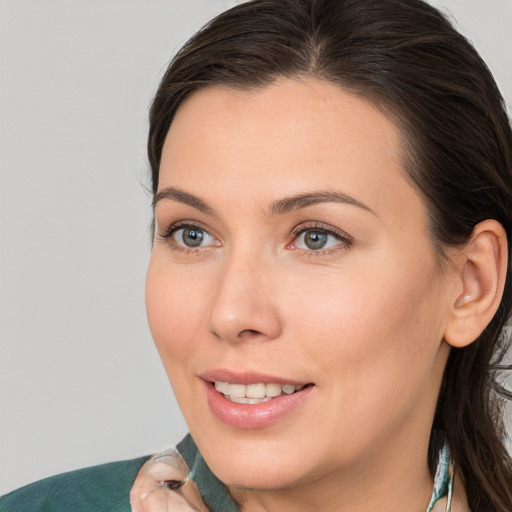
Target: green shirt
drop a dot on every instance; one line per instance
(99, 488)
(107, 487)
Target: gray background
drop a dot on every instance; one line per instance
(80, 380)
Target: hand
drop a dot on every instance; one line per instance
(162, 485)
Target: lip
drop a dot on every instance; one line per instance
(251, 417)
(223, 375)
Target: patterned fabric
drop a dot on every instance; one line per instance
(443, 481)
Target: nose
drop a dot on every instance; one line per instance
(244, 303)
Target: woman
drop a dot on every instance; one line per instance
(332, 185)
(330, 271)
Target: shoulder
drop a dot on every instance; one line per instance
(96, 488)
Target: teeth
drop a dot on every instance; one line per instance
(222, 387)
(236, 390)
(251, 401)
(273, 390)
(288, 389)
(254, 393)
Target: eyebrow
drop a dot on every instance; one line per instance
(175, 194)
(279, 207)
(308, 199)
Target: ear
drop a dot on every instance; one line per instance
(481, 269)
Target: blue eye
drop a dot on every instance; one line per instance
(318, 238)
(315, 240)
(192, 237)
(188, 238)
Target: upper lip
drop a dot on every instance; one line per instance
(249, 377)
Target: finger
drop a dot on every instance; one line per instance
(149, 480)
(165, 466)
(136, 495)
(142, 486)
(165, 500)
(190, 491)
(161, 472)
(172, 457)
(155, 498)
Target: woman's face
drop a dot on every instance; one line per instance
(292, 256)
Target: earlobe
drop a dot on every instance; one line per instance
(482, 271)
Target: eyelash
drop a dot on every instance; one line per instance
(344, 239)
(167, 236)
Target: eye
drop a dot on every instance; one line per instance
(188, 236)
(192, 236)
(317, 238)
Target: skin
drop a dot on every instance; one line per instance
(364, 319)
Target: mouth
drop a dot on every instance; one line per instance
(253, 394)
(249, 401)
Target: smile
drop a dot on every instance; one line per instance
(253, 394)
(252, 400)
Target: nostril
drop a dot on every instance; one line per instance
(249, 333)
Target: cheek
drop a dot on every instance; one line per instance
(175, 310)
(174, 304)
(374, 333)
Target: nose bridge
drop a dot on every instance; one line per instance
(243, 305)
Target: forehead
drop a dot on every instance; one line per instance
(291, 135)
(302, 108)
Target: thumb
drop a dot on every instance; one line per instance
(164, 478)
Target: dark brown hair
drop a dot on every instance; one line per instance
(407, 59)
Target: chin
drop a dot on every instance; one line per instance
(259, 464)
(254, 477)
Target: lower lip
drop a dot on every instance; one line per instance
(256, 416)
